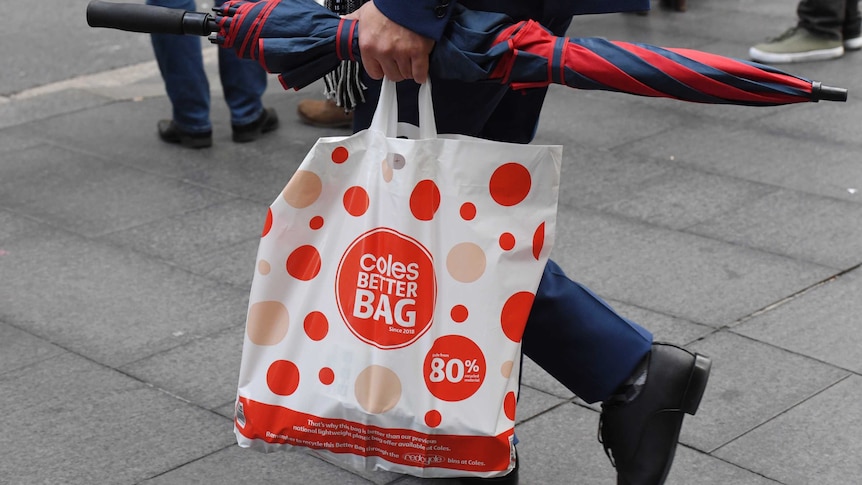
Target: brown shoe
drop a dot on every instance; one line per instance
(323, 113)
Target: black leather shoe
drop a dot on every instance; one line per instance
(169, 132)
(640, 436)
(266, 122)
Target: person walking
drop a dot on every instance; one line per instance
(645, 387)
(181, 65)
(825, 30)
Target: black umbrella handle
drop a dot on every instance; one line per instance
(149, 19)
(827, 93)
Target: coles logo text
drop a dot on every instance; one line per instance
(386, 288)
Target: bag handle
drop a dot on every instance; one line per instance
(385, 117)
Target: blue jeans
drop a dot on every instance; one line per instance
(181, 64)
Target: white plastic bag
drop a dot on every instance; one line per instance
(393, 281)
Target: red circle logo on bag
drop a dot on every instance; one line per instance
(386, 288)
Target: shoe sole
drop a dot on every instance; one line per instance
(271, 124)
(690, 401)
(189, 142)
(816, 55)
(853, 44)
(696, 384)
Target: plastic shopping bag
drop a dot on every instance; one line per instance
(393, 281)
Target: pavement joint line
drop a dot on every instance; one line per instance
(118, 77)
(793, 296)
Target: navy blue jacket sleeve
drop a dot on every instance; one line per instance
(429, 17)
(425, 17)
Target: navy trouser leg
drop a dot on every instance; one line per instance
(577, 338)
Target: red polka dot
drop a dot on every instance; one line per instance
(507, 241)
(510, 184)
(425, 200)
(459, 313)
(316, 325)
(433, 418)
(315, 223)
(267, 225)
(340, 154)
(515, 313)
(282, 377)
(538, 240)
(510, 404)
(468, 211)
(326, 376)
(356, 201)
(303, 263)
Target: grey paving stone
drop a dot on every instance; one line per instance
(92, 196)
(75, 48)
(664, 328)
(691, 466)
(660, 28)
(591, 177)
(233, 265)
(683, 197)
(41, 107)
(203, 371)
(815, 442)
(18, 349)
(755, 153)
(699, 279)
(532, 402)
(257, 171)
(15, 225)
(834, 123)
(598, 130)
(236, 465)
(750, 384)
(560, 447)
(822, 323)
(111, 305)
(16, 139)
(802, 226)
(77, 422)
(192, 236)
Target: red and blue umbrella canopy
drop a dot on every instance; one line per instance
(301, 41)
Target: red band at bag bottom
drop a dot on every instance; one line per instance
(280, 425)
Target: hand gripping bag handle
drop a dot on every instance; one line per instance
(385, 118)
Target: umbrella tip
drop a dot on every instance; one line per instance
(827, 93)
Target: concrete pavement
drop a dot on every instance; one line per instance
(125, 265)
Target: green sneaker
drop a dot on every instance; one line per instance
(796, 45)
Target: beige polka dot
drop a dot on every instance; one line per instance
(263, 267)
(506, 369)
(377, 389)
(466, 262)
(267, 322)
(387, 170)
(303, 189)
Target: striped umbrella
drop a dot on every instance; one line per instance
(301, 41)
